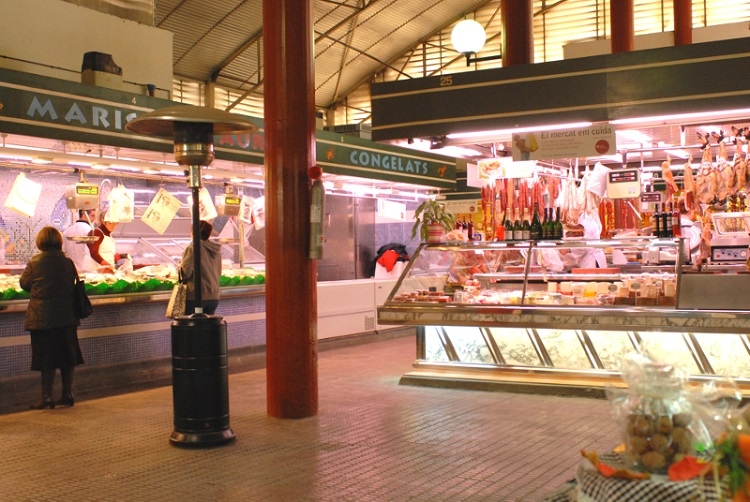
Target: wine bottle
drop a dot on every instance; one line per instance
(558, 232)
(508, 225)
(526, 226)
(470, 229)
(545, 226)
(657, 222)
(517, 229)
(536, 224)
(666, 221)
(676, 224)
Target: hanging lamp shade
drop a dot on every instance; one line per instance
(468, 37)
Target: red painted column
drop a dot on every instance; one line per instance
(291, 297)
(623, 25)
(683, 22)
(518, 32)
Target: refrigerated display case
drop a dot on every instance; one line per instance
(494, 313)
(168, 250)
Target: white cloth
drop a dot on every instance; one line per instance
(107, 249)
(550, 259)
(79, 251)
(590, 257)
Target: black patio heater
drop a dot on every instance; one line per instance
(200, 378)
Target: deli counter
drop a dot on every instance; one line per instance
(522, 315)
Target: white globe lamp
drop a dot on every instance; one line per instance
(468, 37)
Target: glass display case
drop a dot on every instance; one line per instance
(522, 314)
(627, 272)
(146, 251)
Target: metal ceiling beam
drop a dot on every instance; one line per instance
(342, 63)
(254, 38)
(389, 64)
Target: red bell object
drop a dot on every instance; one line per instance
(314, 172)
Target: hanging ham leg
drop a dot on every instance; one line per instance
(666, 172)
(740, 168)
(725, 170)
(706, 182)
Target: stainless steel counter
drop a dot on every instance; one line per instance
(619, 318)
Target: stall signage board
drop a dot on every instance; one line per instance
(35, 105)
(564, 143)
(487, 170)
(348, 155)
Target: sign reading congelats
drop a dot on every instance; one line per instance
(564, 143)
(339, 154)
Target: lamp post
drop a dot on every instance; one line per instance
(468, 38)
(200, 390)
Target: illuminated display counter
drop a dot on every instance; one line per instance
(493, 313)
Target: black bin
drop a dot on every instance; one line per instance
(200, 382)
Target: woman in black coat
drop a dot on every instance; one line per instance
(50, 317)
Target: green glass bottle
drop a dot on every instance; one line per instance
(517, 228)
(508, 225)
(526, 226)
(536, 224)
(558, 233)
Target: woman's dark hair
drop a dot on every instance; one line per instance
(49, 238)
(205, 228)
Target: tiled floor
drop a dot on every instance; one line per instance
(373, 440)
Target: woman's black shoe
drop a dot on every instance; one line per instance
(44, 403)
(66, 401)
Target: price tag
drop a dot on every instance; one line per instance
(161, 211)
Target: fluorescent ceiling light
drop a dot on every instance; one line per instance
(681, 154)
(742, 112)
(507, 132)
(634, 136)
(120, 167)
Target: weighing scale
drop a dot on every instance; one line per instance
(730, 238)
(623, 184)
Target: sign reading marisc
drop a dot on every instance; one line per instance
(564, 143)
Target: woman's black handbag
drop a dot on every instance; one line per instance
(81, 300)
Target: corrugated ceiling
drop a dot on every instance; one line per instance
(221, 40)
